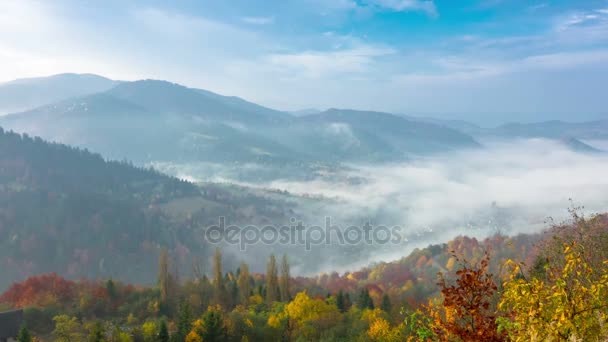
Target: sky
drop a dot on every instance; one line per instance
(488, 61)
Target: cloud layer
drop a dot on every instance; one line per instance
(506, 187)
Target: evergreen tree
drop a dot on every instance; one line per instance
(284, 281)
(340, 302)
(24, 335)
(111, 289)
(234, 293)
(365, 301)
(272, 293)
(184, 322)
(386, 304)
(347, 301)
(214, 326)
(163, 332)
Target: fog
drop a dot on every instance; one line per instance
(508, 187)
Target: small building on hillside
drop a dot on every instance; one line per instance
(10, 323)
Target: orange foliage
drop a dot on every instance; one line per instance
(468, 312)
(42, 290)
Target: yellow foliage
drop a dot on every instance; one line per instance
(450, 264)
(274, 321)
(256, 300)
(193, 336)
(372, 315)
(570, 305)
(198, 325)
(149, 330)
(311, 315)
(379, 330)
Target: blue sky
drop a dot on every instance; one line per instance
(489, 61)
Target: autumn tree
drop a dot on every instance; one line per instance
(220, 292)
(243, 283)
(467, 312)
(67, 329)
(309, 317)
(272, 286)
(164, 277)
(284, 280)
(570, 304)
(97, 332)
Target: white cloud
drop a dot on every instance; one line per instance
(317, 64)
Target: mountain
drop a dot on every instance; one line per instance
(159, 121)
(171, 98)
(377, 136)
(97, 218)
(304, 112)
(579, 146)
(555, 130)
(156, 120)
(29, 93)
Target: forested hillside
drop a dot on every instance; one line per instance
(70, 211)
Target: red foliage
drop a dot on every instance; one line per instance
(42, 290)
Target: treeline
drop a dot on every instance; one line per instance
(561, 295)
(36, 164)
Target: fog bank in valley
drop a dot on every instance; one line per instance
(508, 187)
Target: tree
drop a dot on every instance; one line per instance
(386, 304)
(570, 304)
(150, 331)
(111, 288)
(193, 336)
(220, 294)
(365, 301)
(67, 329)
(97, 333)
(24, 335)
(272, 293)
(163, 332)
(284, 281)
(347, 301)
(164, 277)
(184, 322)
(310, 317)
(467, 312)
(243, 283)
(213, 325)
(340, 302)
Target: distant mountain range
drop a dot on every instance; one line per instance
(153, 120)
